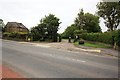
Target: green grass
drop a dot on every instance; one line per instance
(95, 45)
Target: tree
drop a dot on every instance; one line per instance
(110, 12)
(79, 21)
(52, 24)
(91, 23)
(87, 21)
(69, 31)
(38, 32)
(47, 29)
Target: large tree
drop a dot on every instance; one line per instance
(110, 12)
(87, 21)
(91, 23)
(79, 21)
(52, 25)
(48, 28)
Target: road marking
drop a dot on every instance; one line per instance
(42, 45)
(81, 60)
(90, 50)
(73, 59)
(23, 42)
(78, 60)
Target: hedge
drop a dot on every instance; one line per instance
(15, 36)
(107, 37)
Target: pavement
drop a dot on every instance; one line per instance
(32, 60)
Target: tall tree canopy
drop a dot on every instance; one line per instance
(91, 23)
(110, 12)
(87, 21)
(48, 27)
(79, 21)
(52, 24)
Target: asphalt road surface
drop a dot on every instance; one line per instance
(45, 62)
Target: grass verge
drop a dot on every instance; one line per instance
(95, 45)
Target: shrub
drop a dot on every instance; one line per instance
(107, 37)
(15, 36)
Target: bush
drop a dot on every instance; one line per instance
(107, 37)
(15, 36)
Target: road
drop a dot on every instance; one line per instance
(45, 62)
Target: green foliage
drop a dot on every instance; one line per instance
(79, 21)
(110, 12)
(91, 23)
(15, 36)
(117, 37)
(79, 32)
(69, 31)
(47, 29)
(38, 32)
(87, 21)
(52, 24)
(103, 37)
(95, 45)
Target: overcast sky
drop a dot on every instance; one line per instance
(29, 12)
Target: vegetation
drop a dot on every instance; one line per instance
(85, 26)
(69, 31)
(15, 36)
(87, 21)
(112, 37)
(110, 12)
(95, 45)
(47, 29)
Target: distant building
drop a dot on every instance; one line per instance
(15, 27)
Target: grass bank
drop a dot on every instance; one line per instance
(94, 45)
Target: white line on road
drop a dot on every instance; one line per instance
(42, 45)
(78, 60)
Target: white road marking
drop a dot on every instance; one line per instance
(73, 59)
(42, 45)
(90, 50)
(80, 60)
(23, 42)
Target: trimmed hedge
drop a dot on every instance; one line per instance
(107, 37)
(15, 36)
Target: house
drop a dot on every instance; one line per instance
(15, 27)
